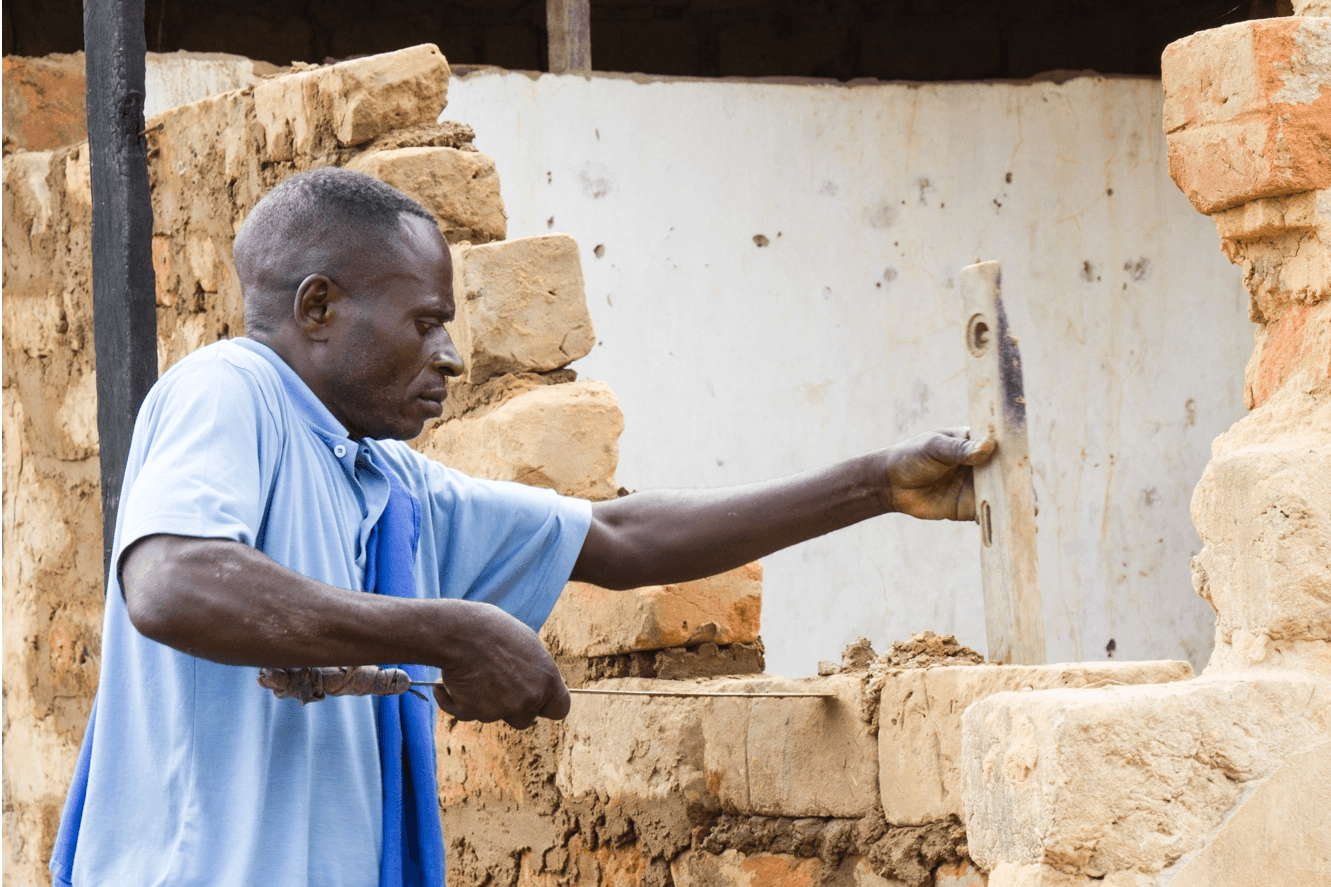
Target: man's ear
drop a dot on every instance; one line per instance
(316, 305)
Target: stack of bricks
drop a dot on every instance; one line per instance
(517, 414)
(860, 787)
(1222, 780)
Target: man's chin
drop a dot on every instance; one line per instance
(407, 432)
(411, 422)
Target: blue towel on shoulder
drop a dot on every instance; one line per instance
(413, 852)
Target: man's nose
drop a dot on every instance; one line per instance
(446, 358)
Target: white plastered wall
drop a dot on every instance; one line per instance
(735, 362)
(178, 78)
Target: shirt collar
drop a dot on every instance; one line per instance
(320, 420)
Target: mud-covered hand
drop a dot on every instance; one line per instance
(930, 475)
(496, 668)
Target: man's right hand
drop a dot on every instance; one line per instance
(497, 669)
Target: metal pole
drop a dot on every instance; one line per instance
(123, 285)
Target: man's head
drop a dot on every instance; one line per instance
(350, 281)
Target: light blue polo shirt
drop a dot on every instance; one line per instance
(197, 775)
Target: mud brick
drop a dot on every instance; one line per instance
(564, 437)
(1126, 778)
(919, 723)
(460, 187)
(1283, 245)
(1279, 834)
(594, 621)
(350, 103)
(1263, 508)
(1247, 109)
(635, 749)
(521, 306)
(44, 101)
(791, 756)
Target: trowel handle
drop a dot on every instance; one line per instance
(313, 684)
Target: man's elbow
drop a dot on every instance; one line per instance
(147, 581)
(152, 614)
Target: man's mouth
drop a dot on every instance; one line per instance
(433, 399)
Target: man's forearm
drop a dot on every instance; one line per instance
(225, 601)
(656, 537)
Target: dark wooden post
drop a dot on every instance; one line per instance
(123, 286)
(568, 24)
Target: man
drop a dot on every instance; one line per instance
(265, 479)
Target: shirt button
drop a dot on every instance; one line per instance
(339, 451)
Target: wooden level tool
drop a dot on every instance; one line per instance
(1004, 488)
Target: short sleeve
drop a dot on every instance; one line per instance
(201, 462)
(496, 542)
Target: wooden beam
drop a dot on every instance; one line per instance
(569, 26)
(123, 286)
(1004, 489)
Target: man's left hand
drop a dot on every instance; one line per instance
(930, 475)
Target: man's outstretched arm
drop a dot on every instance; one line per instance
(652, 538)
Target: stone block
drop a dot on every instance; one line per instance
(460, 187)
(791, 756)
(1263, 511)
(1248, 111)
(635, 750)
(1279, 835)
(919, 729)
(1125, 779)
(309, 113)
(1296, 348)
(474, 401)
(521, 306)
(564, 437)
(1283, 245)
(593, 621)
(45, 103)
